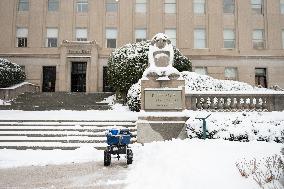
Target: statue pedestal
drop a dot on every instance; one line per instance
(162, 101)
(162, 94)
(161, 127)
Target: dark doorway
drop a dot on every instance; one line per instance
(260, 77)
(48, 78)
(106, 86)
(78, 77)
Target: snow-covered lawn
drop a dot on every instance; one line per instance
(195, 163)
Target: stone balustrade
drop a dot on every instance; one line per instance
(235, 101)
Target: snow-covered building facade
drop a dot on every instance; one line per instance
(63, 45)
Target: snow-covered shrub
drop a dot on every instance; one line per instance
(134, 97)
(238, 127)
(127, 64)
(10, 73)
(193, 82)
(197, 82)
(265, 172)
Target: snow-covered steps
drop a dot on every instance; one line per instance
(58, 134)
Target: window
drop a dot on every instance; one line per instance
(199, 39)
(23, 5)
(229, 6)
(140, 35)
(81, 34)
(257, 6)
(141, 6)
(170, 6)
(231, 73)
(201, 70)
(53, 5)
(51, 37)
(258, 39)
(282, 6)
(283, 39)
(111, 36)
(199, 6)
(82, 5)
(22, 37)
(229, 38)
(172, 35)
(260, 77)
(111, 6)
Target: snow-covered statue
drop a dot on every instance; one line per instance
(160, 58)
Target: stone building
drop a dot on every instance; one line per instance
(63, 45)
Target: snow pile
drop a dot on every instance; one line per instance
(246, 126)
(198, 164)
(3, 102)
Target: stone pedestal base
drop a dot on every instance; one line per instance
(161, 128)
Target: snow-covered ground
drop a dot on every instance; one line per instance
(178, 164)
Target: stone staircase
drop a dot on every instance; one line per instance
(58, 134)
(39, 101)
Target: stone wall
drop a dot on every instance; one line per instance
(12, 92)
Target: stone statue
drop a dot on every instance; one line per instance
(160, 59)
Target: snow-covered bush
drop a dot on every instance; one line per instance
(193, 82)
(127, 64)
(239, 127)
(265, 172)
(197, 82)
(10, 73)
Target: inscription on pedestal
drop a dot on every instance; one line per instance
(163, 99)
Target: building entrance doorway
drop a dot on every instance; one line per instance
(260, 77)
(78, 77)
(48, 78)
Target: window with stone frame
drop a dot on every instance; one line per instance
(51, 37)
(258, 39)
(111, 37)
(229, 38)
(199, 6)
(81, 34)
(111, 6)
(257, 6)
(229, 6)
(23, 5)
(231, 73)
(140, 35)
(201, 70)
(53, 5)
(199, 38)
(141, 6)
(172, 35)
(282, 6)
(82, 5)
(22, 37)
(170, 6)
